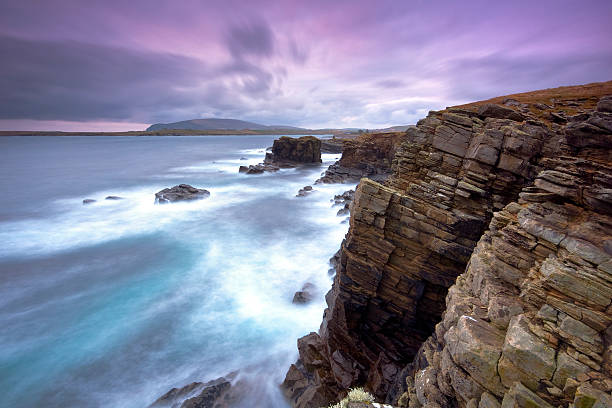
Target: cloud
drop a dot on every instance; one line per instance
(250, 39)
(78, 81)
(68, 80)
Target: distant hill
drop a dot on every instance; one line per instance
(218, 124)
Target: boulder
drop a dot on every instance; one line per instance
(605, 104)
(113, 198)
(182, 192)
(88, 201)
(491, 110)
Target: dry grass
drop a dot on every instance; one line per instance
(559, 99)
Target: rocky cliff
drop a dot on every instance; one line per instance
(369, 155)
(481, 271)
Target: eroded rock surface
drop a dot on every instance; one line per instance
(370, 155)
(290, 151)
(480, 273)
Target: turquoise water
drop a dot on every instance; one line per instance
(114, 303)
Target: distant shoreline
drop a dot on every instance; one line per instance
(172, 132)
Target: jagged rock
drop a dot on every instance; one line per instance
(519, 396)
(182, 192)
(304, 191)
(219, 393)
(370, 155)
(258, 168)
(526, 358)
(488, 401)
(588, 397)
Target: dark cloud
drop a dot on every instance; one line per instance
(80, 82)
(76, 81)
(254, 38)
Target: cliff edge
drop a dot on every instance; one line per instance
(480, 272)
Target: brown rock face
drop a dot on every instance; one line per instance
(289, 150)
(370, 156)
(531, 312)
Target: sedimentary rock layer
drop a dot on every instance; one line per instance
(457, 173)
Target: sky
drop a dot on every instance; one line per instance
(113, 65)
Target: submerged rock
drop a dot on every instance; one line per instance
(182, 192)
(305, 295)
(113, 198)
(219, 393)
(257, 168)
(88, 201)
(304, 191)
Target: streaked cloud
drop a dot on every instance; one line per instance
(317, 64)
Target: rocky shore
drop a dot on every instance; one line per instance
(369, 155)
(479, 274)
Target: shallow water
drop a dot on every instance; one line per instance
(113, 303)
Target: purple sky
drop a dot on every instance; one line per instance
(115, 65)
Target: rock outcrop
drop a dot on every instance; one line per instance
(290, 151)
(512, 212)
(287, 152)
(219, 393)
(182, 192)
(370, 155)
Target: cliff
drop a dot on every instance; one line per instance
(480, 272)
(369, 155)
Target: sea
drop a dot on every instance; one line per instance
(114, 303)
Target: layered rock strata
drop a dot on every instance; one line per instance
(458, 172)
(370, 155)
(290, 151)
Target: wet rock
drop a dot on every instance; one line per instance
(257, 168)
(88, 201)
(113, 198)
(181, 192)
(305, 295)
(219, 393)
(304, 191)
